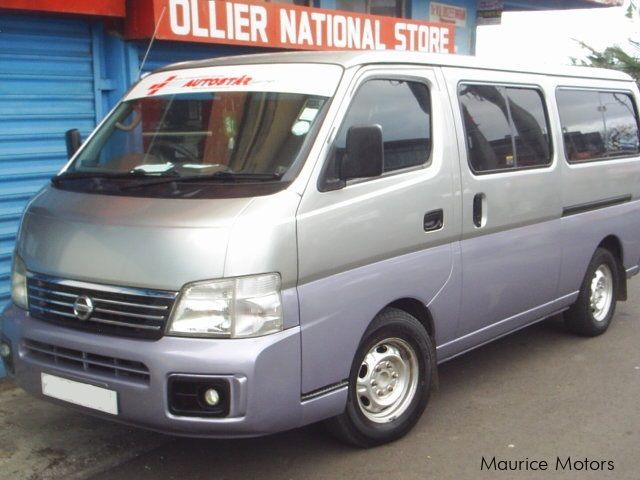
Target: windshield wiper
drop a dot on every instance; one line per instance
(224, 176)
(57, 179)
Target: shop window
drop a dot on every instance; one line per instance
(505, 127)
(389, 8)
(301, 3)
(403, 110)
(359, 6)
(597, 125)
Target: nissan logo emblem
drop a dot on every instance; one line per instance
(83, 307)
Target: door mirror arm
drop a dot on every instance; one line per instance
(73, 141)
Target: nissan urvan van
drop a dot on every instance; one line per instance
(250, 244)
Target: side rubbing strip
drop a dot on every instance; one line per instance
(585, 207)
(324, 390)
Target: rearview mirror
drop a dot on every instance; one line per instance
(73, 140)
(364, 153)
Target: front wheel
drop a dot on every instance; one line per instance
(390, 381)
(593, 311)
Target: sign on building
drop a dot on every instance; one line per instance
(489, 12)
(286, 26)
(442, 12)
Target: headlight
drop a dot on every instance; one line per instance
(19, 282)
(234, 307)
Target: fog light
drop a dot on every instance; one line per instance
(199, 396)
(212, 397)
(5, 350)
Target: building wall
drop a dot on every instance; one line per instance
(465, 37)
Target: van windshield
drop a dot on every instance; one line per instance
(149, 145)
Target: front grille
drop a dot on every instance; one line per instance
(126, 312)
(86, 362)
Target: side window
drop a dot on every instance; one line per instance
(486, 124)
(621, 124)
(530, 126)
(403, 110)
(505, 127)
(597, 125)
(582, 124)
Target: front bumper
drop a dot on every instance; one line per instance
(264, 375)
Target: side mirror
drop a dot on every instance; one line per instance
(364, 153)
(73, 140)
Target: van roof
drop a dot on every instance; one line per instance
(355, 58)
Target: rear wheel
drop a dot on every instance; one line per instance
(593, 311)
(390, 381)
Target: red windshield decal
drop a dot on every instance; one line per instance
(156, 87)
(216, 81)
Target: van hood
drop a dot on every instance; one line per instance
(138, 242)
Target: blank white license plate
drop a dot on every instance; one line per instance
(78, 393)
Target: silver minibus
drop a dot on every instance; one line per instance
(250, 244)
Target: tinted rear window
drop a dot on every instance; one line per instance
(531, 127)
(597, 125)
(505, 127)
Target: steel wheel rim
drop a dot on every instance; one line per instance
(387, 380)
(601, 293)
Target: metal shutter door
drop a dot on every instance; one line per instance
(163, 53)
(46, 88)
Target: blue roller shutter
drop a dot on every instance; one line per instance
(46, 88)
(51, 80)
(162, 53)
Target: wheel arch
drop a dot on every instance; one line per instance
(416, 309)
(613, 244)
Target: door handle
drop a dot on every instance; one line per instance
(433, 220)
(478, 200)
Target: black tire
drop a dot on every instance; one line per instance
(353, 426)
(581, 318)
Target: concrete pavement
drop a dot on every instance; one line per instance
(539, 394)
(40, 441)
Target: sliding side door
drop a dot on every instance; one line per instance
(511, 204)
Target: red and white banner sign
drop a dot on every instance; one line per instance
(285, 26)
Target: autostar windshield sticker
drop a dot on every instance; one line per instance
(218, 81)
(320, 80)
(156, 87)
(203, 82)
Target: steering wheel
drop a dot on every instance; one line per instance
(167, 150)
